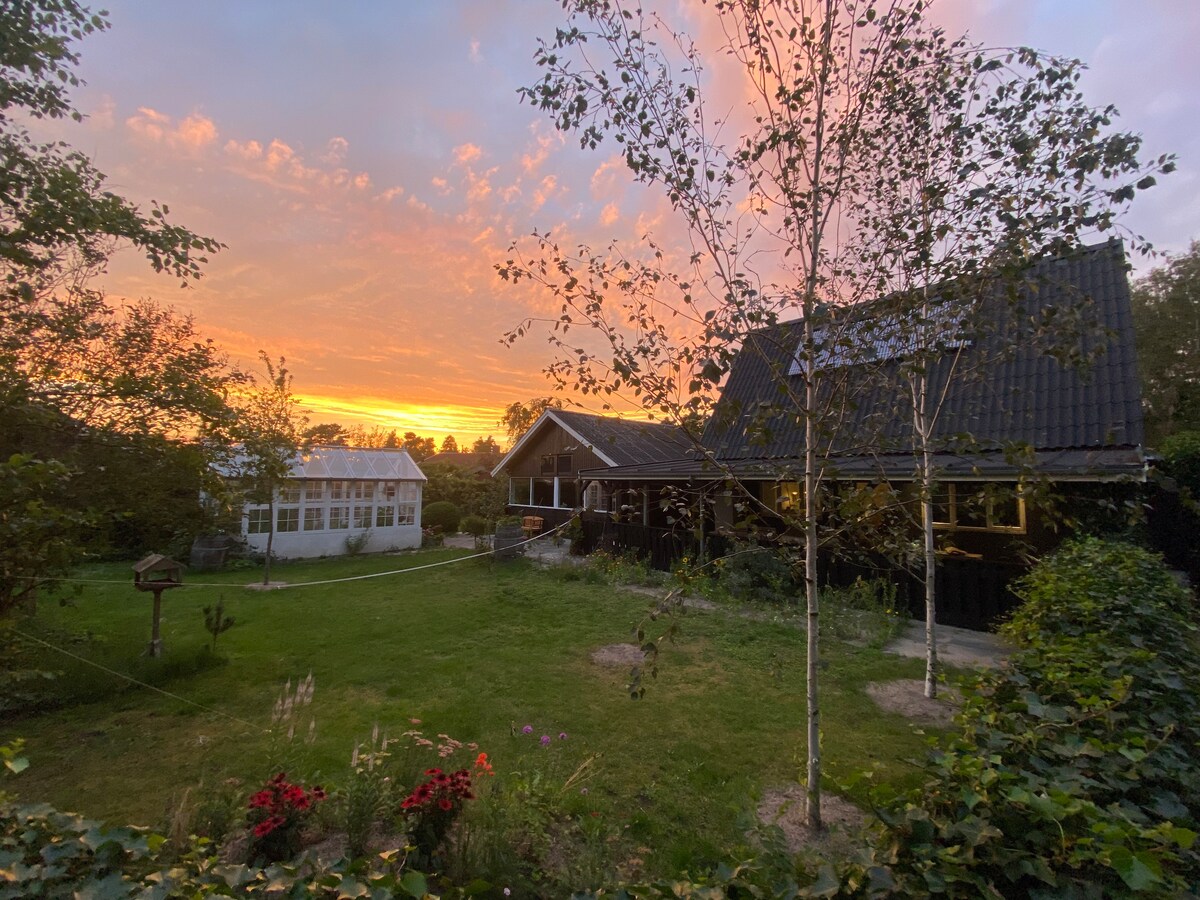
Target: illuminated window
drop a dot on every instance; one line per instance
(787, 496)
(967, 507)
(260, 520)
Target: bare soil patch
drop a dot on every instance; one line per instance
(786, 808)
(906, 696)
(614, 655)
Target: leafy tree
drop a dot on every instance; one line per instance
(418, 448)
(330, 434)
(38, 537)
(1166, 319)
(449, 444)
(998, 165)
(270, 427)
(485, 445)
(519, 416)
(764, 215)
(79, 377)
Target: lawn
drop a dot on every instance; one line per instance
(476, 650)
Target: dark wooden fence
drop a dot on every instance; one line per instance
(972, 593)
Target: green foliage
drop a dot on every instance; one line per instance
(216, 622)
(1181, 460)
(751, 571)
(356, 543)
(474, 525)
(1166, 319)
(46, 853)
(518, 416)
(864, 611)
(1076, 772)
(484, 497)
(39, 538)
(441, 514)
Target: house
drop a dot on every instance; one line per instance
(544, 465)
(337, 498)
(1064, 414)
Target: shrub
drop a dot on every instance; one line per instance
(753, 572)
(1076, 773)
(474, 525)
(442, 514)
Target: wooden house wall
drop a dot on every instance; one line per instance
(552, 440)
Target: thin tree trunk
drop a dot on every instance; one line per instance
(270, 539)
(931, 657)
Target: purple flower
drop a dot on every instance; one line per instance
(562, 735)
(545, 740)
(528, 729)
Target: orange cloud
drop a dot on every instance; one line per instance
(193, 134)
(467, 153)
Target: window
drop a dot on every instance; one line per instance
(387, 491)
(568, 493)
(362, 516)
(543, 492)
(979, 508)
(289, 492)
(562, 464)
(593, 496)
(548, 465)
(519, 491)
(314, 518)
(385, 516)
(339, 517)
(364, 490)
(406, 514)
(410, 492)
(260, 520)
(314, 490)
(339, 490)
(288, 520)
(787, 496)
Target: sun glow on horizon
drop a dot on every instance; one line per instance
(466, 423)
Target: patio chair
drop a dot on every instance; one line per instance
(532, 525)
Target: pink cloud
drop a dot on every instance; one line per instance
(467, 153)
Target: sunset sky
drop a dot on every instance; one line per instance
(367, 163)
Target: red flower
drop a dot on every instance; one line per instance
(445, 804)
(262, 798)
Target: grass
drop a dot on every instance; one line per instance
(475, 650)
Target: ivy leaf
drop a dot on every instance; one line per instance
(1138, 871)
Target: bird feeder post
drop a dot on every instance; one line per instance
(157, 573)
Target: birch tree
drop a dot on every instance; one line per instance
(790, 218)
(1000, 163)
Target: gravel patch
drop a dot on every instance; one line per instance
(619, 655)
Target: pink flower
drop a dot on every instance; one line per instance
(528, 729)
(545, 740)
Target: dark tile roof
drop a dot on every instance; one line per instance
(1024, 396)
(626, 441)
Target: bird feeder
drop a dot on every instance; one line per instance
(157, 573)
